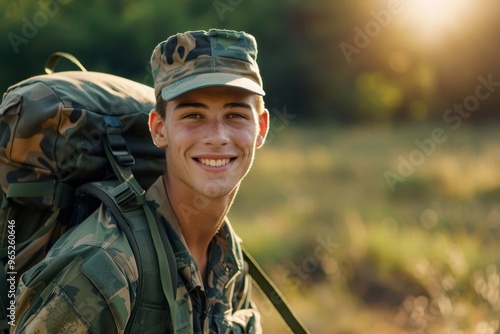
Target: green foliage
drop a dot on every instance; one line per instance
(317, 57)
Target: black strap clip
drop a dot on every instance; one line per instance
(116, 143)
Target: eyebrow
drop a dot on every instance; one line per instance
(237, 105)
(191, 105)
(204, 106)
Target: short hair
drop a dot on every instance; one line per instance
(161, 105)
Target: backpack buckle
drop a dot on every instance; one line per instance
(126, 197)
(116, 143)
(119, 149)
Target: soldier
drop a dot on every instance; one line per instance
(210, 119)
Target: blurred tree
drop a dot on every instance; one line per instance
(322, 60)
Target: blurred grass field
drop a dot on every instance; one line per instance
(353, 256)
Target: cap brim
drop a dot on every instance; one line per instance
(204, 80)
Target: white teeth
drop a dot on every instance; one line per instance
(214, 163)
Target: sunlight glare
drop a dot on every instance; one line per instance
(433, 17)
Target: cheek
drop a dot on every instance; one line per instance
(245, 138)
(178, 142)
(249, 133)
(180, 137)
(248, 144)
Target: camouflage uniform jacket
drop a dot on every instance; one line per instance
(87, 282)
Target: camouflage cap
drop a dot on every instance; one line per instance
(198, 59)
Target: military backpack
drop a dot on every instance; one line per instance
(69, 141)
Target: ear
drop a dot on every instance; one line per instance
(263, 128)
(157, 129)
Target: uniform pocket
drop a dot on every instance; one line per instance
(58, 315)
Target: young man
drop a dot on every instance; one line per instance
(210, 119)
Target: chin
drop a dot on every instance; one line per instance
(217, 190)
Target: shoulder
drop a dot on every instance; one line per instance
(90, 274)
(87, 289)
(98, 234)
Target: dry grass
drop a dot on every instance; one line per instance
(420, 259)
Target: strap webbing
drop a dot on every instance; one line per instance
(62, 194)
(165, 273)
(273, 294)
(125, 175)
(31, 189)
(54, 58)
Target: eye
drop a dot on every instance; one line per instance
(237, 115)
(192, 116)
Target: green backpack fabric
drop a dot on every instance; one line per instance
(69, 141)
(53, 133)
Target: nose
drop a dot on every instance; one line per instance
(216, 133)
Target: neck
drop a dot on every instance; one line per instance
(199, 218)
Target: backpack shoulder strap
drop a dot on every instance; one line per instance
(267, 287)
(150, 309)
(156, 260)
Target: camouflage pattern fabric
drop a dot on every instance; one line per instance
(88, 281)
(199, 59)
(51, 128)
(52, 133)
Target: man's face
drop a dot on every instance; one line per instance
(210, 136)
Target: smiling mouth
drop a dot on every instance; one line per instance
(215, 162)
